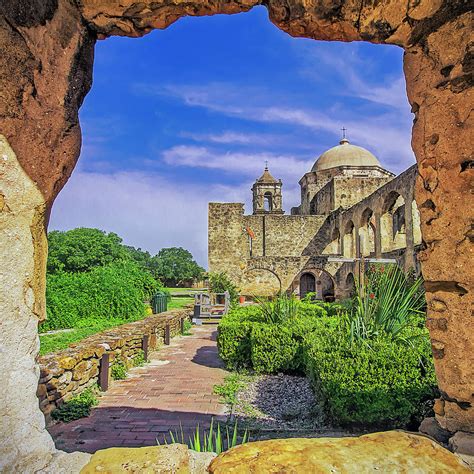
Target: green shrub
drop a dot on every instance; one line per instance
(311, 310)
(139, 359)
(118, 370)
(113, 291)
(243, 313)
(245, 341)
(381, 384)
(233, 342)
(273, 348)
(187, 326)
(78, 407)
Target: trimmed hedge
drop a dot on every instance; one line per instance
(384, 384)
(374, 383)
(233, 341)
(273, 349)
(245, 342)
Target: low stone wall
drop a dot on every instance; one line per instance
(68, 372)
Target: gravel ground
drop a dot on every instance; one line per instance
(280, 402)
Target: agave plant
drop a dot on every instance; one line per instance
(388, 303)
(279, 309)
(214, 441)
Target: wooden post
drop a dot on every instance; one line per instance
(104, 372)
(167, 335)
(181, 322)
(145, 342)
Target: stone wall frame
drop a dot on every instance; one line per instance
(45, 72)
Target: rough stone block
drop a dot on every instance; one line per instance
(431, 427)
(392, 451)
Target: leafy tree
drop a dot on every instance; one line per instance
(141, 257)
(82, 249)
(175, 266)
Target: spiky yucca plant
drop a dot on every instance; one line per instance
(388, 304)
(213, 441)
(279, 309)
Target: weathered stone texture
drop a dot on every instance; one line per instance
(45, 72)
(172, 459)
(392, 451)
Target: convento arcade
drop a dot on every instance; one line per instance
(351, 209)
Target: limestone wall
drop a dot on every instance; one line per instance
(350, 190)
(68, 372)
(284, 238)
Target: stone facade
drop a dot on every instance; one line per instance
(359, 211)
(46, 71)
(68, 372)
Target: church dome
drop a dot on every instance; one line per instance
(345, 154)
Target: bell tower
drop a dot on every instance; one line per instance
(267, 198)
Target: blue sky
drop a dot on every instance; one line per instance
(189, 115)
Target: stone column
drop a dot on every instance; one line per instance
(409, 249)
(378, 235)
(439, 86)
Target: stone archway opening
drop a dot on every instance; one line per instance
(46, 72)
(350, 286)
(307, 284)
(348, 240)
(392, 221)
(367, 233)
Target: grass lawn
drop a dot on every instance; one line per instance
(179, 302)
(61, 340)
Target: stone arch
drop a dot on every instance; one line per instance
(367, 232)
(392, 222)
(314, 280)
(348, 240)
(265, 279)
(45, 86)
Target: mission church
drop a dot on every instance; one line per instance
(351, 209)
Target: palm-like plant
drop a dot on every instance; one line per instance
(279, 309)
(388, 304)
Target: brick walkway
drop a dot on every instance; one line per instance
(175, 388)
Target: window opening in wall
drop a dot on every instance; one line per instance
(267, 202)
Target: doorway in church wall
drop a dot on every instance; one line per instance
(320, 283)
(307, 284)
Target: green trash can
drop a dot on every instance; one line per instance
(159, 302)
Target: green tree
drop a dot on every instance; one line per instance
(142, 257)
(82, 249)
(175, 266)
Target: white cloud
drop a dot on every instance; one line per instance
(233, 137)
(387, 135)
(251, 165)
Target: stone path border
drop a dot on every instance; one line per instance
(175, 389)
